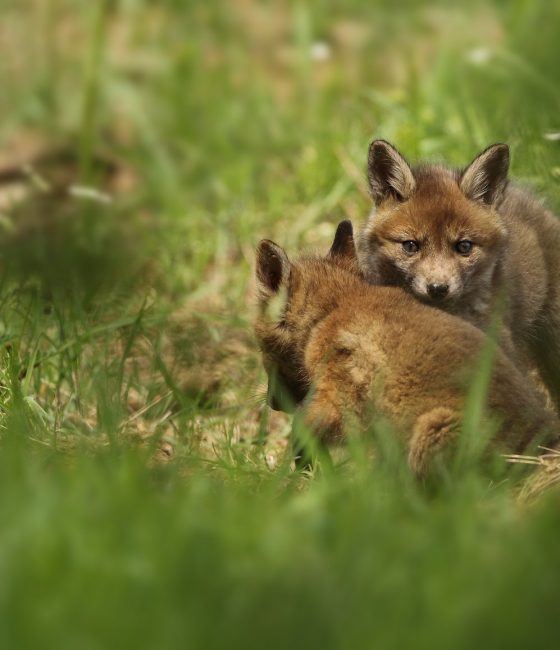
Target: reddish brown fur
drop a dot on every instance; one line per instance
(346, 348)
(516, 255)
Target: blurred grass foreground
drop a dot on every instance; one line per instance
(145, 148)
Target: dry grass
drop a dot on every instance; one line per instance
(544, 478)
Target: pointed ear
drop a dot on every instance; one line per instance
(388, 173)
(272, 268)
(485, 179)
(343, 246)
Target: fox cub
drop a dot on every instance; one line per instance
(463, 241)
(341, 347)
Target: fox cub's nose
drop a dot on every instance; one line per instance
(437, 290)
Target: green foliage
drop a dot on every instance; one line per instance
(194, 129)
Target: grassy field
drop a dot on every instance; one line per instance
(145, 149)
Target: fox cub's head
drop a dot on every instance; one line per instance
(292, 296)
(435, 230)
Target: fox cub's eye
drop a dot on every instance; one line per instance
(464, 246)
(410, 247)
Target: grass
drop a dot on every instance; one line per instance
(137, 507)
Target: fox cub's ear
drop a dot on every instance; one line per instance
(343, 244)
(486, 177)
(272, 270)
(388, 173)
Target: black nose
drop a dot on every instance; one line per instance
(438, 290)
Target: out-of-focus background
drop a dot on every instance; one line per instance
(145, 148)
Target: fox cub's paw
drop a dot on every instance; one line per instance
(432, 434)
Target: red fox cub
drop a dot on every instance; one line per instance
(463, 240)
(341, 347)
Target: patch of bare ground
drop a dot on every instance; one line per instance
(193, 388)
(203, 362)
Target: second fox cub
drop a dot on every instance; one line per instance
(341, 347)
(459, 240)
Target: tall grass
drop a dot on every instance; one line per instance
(140, 506)
(92, 81)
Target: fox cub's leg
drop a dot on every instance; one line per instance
(321, 418)
(318, 422)
(323, 414)
(432, 432)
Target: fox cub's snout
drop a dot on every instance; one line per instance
(435, 231)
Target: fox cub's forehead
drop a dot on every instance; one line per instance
(438, 210)
(426, 216)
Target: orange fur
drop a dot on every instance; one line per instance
(343, 347)
(515, 256)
